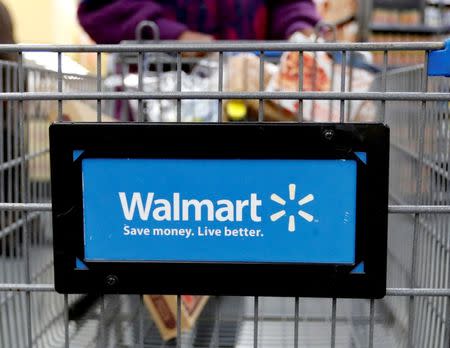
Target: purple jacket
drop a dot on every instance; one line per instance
(111, 21)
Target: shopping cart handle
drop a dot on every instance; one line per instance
(439, 61)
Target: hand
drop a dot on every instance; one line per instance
(195, 36)
(307, 32)
(310, 34)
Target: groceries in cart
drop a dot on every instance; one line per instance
(166, 110)
(322, 72)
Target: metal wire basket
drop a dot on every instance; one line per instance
(416, 311)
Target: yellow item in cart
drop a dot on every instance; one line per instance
(236, 110)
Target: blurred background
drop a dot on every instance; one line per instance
(356, 20)
(49, 22)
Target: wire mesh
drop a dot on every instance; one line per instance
(416, 311)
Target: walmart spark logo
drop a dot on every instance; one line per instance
(305, 200)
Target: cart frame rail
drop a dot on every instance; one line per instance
(421, 96)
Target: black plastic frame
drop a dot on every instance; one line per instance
(216, 141)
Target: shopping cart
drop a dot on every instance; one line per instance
(416, 311)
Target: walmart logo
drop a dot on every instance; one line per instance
(303, 201)
(177, 208)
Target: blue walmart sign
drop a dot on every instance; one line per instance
(290, 211)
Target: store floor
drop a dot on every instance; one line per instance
(226, 321)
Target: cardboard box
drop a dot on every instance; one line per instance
(163, 309)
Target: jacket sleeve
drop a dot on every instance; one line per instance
(289, 16)
(117, 20)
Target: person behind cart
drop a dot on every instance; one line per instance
(6, 33)
(112, 21)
